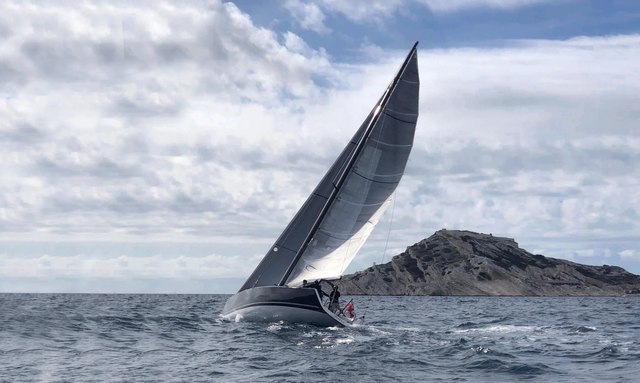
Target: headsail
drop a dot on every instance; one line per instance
(338, 217)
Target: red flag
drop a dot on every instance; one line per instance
(351, 310)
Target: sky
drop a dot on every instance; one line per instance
(162, 147)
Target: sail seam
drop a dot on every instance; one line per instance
(333, 234)
(379, 182)
(399, 119)
(388, 144)
(360, 204)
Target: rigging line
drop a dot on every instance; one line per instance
(393, 208)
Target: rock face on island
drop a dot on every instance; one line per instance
(452, 262)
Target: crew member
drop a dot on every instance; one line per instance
(334, 300)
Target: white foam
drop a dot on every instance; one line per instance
(347, 340)
(481, 350)
(275, 327)
(504, 328)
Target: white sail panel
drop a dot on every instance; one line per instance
(318, 264)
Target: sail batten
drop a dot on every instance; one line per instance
(380, 182)
(388, 144)
(338, 217)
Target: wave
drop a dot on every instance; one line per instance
(515, 368)
(483, 323)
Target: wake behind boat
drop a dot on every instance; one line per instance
(330, 228)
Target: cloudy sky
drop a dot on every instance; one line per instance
(163, 146)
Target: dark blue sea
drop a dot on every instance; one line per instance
(181, 338)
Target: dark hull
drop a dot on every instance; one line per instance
(280, 303)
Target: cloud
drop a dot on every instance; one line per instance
(308, 15)
(450, 6)
(90, 44)
(311, 15)
(135, 110)
(190, 124)
(22, 133)
(547, 87)
(633, 255)
(152, 266)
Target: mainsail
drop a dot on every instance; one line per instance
(335, 221)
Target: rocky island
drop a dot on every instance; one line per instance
(454, 262)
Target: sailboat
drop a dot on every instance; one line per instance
(332, 225)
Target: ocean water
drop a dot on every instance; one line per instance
(151, 338)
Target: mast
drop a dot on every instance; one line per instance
(349, 164)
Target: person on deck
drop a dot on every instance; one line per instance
(315, 285)
(334, 300)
